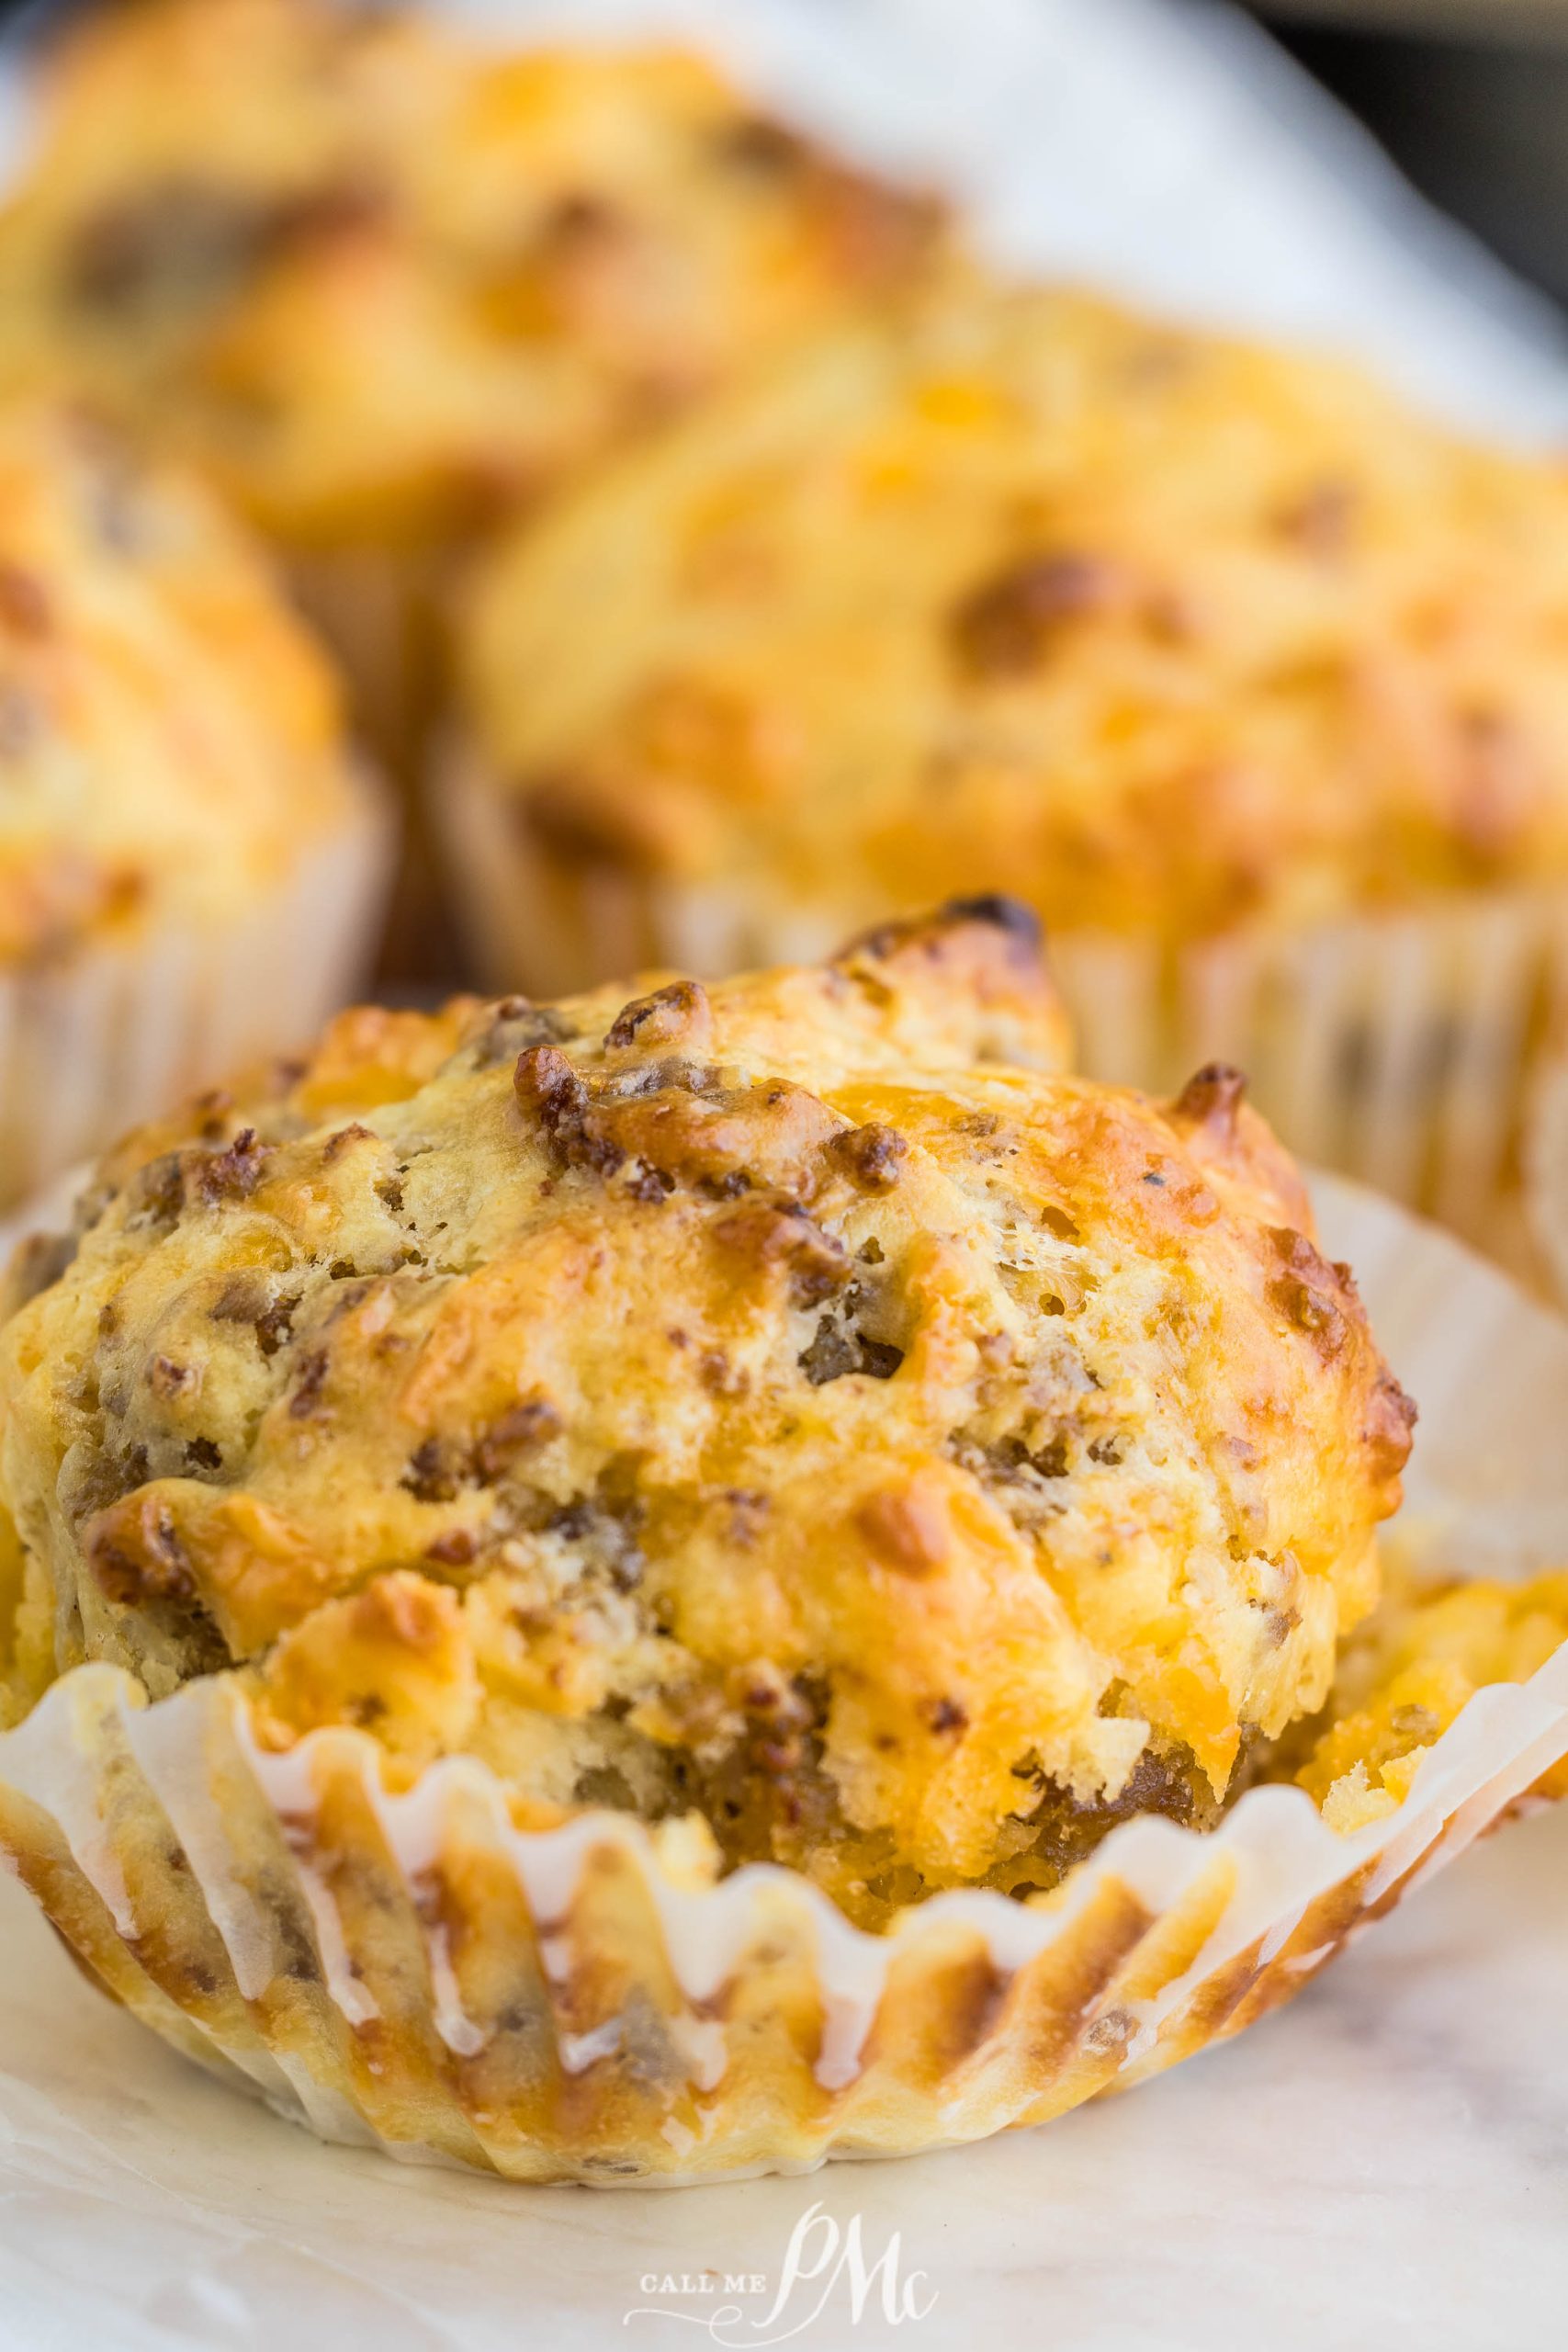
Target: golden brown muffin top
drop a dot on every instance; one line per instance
(383, 279)
(1170, 632)
(169, 735)
(796, 1401)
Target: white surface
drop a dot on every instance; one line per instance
(1386, 2164)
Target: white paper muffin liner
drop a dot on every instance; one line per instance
(411, 1970)
(403, 1966)
(118, 1033)
(1397, 1048)
(1546, 1167)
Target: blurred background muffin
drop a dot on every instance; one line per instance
(385, 284)
(383, 281)
(190, 866)
(1249, 680)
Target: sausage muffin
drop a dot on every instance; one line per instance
(387, 284)
(189, 862)
(658, 1585)
(1252, 683)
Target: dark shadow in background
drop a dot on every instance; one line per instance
(1480, 126)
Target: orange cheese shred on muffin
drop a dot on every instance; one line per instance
(794, 1407)
(1431, 1644)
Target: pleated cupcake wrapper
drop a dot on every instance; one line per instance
(407, 1968)
(1397, 1048)
(118, 1033)
(1546, 1166)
